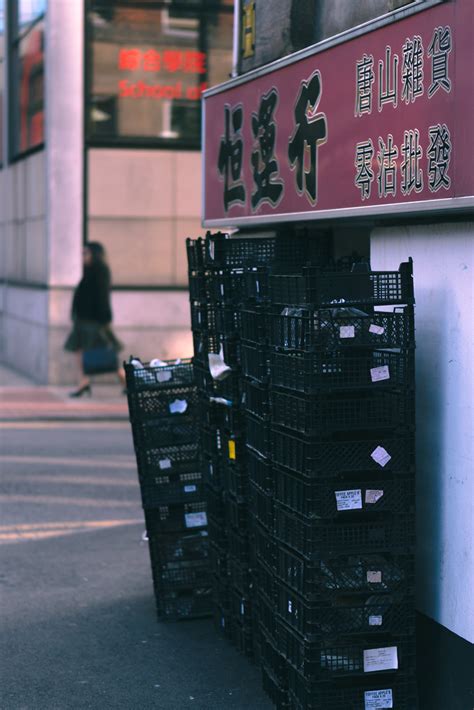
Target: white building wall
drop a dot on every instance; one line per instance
(443, 256)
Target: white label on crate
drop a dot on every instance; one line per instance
(349, 500)
(375, 620)
(380, 456)
(376, 329)
(179, 406)
(378, 699)
(211, 250)
(380, 659)
(347, 331)
(379, 373)
(257, 286)
(242, 608)
(222, 289)
(190, 489)
(164, 463)
(164, 376)
(374, 576)
(217, 367)
(372, 496)
(195, 520)
(290, 606)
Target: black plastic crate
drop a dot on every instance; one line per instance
(321, 498)
(225, 285)
(164, 432)
(223, 250)
(170, 489)
(258, 436)
(217, 532)
(272, 659)
(215, 503)
(314, 372)
(212, 473)
(260, 472)
(239, 545)
(296, 248)
(242, 638)
(267, 621)
(256, 400)
(343, 455)
(322, 289)
(256, 284)
(179, 547)
(311, 416)
(264, 545)
(341, 657)
(167, 459)
(265, 579)
(396, 691)
(211, 441)
(228, 321)
(277, 693)
(167, 518)
(176, 575)
(219, 561)
(254, 324)
(306, 329)
(228, 389)
(255, 361)
(203, 316)
(237, 479)
(197, 285)
(172, 402)
(314, 539)
(195, 249)
(237, 513)
(170, 375)
(241, 576)
(180, 604)
(262, 507)
(348, 574)
(373, 615)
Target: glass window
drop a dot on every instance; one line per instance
(148, 68)
(27, 76)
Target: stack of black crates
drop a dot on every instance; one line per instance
(163, 410)
(342, 406)
(312, 469)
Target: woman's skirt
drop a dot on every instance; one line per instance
(86, 335)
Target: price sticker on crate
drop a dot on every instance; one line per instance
(232, 450)
(349, 500)
(377, 374)
(374, 576)
(347, 331)
(372, 496)
(378, 699)
(164, 463)
(381, 659)
(376, 329)
(195, 520)
(380, 456)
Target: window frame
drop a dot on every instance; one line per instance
(204, 10)
(14, 38)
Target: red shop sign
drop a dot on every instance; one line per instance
(379, 124)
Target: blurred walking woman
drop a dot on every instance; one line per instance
(92, 314)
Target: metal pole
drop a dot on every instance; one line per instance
(236, 38)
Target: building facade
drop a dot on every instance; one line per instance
(357, 118)
(100, 141)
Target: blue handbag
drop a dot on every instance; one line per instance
(98, 361)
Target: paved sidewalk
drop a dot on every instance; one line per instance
(23, 400)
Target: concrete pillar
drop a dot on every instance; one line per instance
(64, 139)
